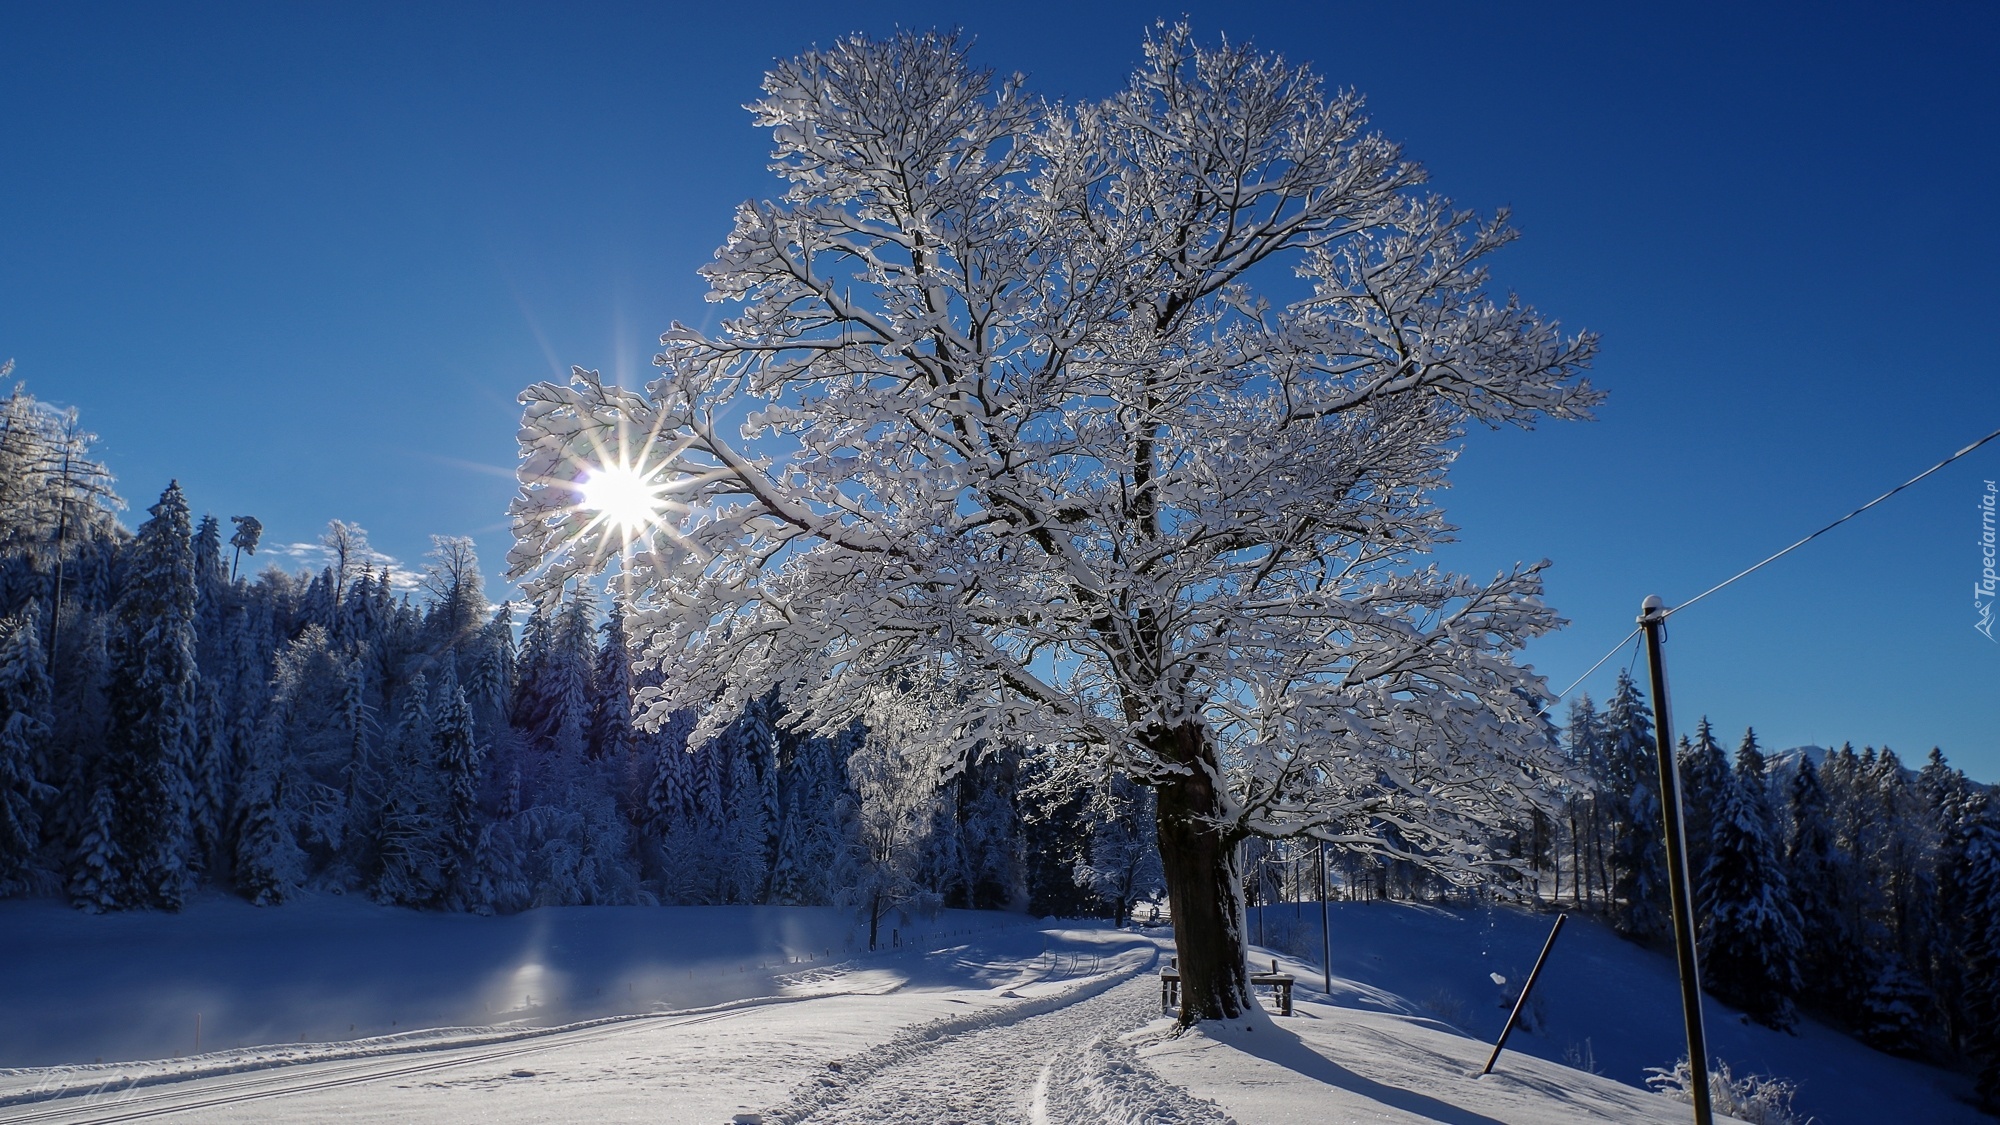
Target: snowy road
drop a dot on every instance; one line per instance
(1060, 1067)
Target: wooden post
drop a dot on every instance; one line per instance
(1521, 1001)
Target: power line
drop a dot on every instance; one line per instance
(1834, 524)
(1599, 664)
(1781, 554)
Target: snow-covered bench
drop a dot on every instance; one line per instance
(1279, 983)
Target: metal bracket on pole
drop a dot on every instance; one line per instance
(1652, 618)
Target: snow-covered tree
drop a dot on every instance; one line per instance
(1977, 880)
(1750, 929)
(1704, 777)
(97, 879)
(1828, 957)
(412, 856)
(244, 540)
(611, 733)
(490, 686)
(1016, 411)
(1638, 854)
(151, 756)
(1124, 864)
(269, 864)
(457, 592)
(455, 758)
(25, 726)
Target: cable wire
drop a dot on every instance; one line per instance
(1781, 554)
(1831, 526)
(1599, 664)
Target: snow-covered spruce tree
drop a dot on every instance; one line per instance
(611, 735)
(1828, 953)
(1016, 409)
(1704, 776)
(1583, 743)
(268, 863)
(25, 725)
(1638, 856)
(747, 754)
(490, 686)
(150, 758)
(412, 871)
(1750, 929)
(1976, 882)
(455, 756)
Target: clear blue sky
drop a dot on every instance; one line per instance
(303, 256)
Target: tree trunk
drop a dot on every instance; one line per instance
(1204, 881)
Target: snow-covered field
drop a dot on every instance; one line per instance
(764, 1013)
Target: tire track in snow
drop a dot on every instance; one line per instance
(1055, 1061)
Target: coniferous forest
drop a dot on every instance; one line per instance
(174, 718)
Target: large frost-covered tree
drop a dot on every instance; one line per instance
(1004, 404)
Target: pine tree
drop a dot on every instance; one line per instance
(491, 686)
(669, 797)
(556, 690)
(456, 754)
(249, 532)
(98, 869)
(25, 726)
(411, 872)
(1638, 858)
(1704, 774)
(747, 752)
(1828, 953)
(152, 751)
(269, 864)
(1750, 932)
(611, 734)
(1978, 876)
(1583, 740)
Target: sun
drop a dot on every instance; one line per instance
(623, 496)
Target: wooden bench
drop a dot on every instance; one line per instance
(1279, 983)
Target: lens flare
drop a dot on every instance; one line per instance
(624, 497)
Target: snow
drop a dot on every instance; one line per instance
(1600, 998)
(985, 1017)
(331, 968)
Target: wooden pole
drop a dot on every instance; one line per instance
(1521, 1001)
(1325, 934)
(1652, 618)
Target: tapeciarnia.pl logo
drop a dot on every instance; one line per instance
(1987, 588)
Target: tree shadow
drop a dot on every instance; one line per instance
(1286, 1049)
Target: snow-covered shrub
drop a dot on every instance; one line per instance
(1445, 1006)
(1582, 1056)
(1757, 1098)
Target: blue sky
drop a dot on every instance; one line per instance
(302, 257)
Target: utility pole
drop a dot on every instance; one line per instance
(1325, 935)
(1653, 618)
